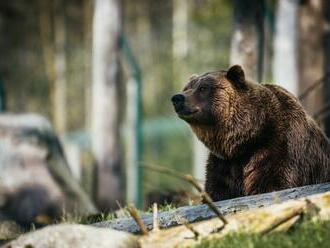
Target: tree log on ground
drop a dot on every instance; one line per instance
(278, 217)
(202, 212)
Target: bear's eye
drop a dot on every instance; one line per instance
(202, 88)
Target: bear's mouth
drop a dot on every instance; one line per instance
(187, 113)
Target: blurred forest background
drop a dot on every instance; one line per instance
(103, 72)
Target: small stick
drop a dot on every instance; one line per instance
(185, 222)
(207, 199)
(136, 216)
(155, 217)
(190, 179)
(280, 221)
(192, 229)
(167, 171)
(118, 204)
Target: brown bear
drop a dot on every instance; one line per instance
(259, 136)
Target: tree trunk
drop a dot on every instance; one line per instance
(326, 43)
(285, 69)
(311, 53)
(180, 29)
(310, 46)
(46, 30)
(60, 86)
(88, 17)
(247, 43)
(105, 91)
(179, 51)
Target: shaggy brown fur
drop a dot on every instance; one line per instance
(259, 136)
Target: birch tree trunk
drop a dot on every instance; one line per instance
(285, 68)
(247, 43)
(60, 86)
(105, 90)
(179, 51)
(180, 29)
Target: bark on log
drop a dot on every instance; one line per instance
(202, 212)
(274, 218)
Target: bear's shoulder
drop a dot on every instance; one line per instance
(280, 92)
(287, 101)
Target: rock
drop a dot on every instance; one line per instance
(35, 180)
(65, 236)
(9, 230)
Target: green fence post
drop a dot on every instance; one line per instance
(138, 139)
(2, 96)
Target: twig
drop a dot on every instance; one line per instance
(190, 179)
(192, 229)
(185, 222)
(118, 204)
(207, 199)
(311, 208)
(168, 171)
(322, 111)
(194, 183)
(136, 216)
(280, 221)
(155, 217)
(313, 86)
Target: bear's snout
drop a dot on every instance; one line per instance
(178, 101)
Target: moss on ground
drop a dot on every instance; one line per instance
(308, 234)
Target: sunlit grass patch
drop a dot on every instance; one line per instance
(308, 234)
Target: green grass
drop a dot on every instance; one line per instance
(99, 217)
(307, 235)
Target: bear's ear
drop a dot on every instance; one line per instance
(193, 76)
(236, 75)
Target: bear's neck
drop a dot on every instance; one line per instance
(215, 141)
(227, 143)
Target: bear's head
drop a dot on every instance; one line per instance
(221, 107)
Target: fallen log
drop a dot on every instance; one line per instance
(203, 212)
(275, 218)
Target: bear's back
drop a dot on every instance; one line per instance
(308, 147)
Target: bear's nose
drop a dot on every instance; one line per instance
(177, 99)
